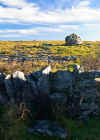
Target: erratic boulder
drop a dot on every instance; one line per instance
(73, 39)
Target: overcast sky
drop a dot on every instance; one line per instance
(49, 19)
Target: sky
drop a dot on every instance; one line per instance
(49, 19)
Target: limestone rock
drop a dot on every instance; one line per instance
(49, 128)
(41, 79)
(2, 76)
(62, 80)
(58, 103)
(35, 75)
(46, 70)
(18, 79)
(10, 88)
(43, 84)
(73, 39)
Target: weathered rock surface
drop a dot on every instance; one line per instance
(1, 76)
(58, 103)
(43, 84)
(19, 88)
(62, 80)
(75, 94)
(61, 92)
(73, 39)
(82, 104)
(49, 128)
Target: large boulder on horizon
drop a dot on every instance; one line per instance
(73, 39)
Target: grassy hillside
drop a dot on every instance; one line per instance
(38, 49)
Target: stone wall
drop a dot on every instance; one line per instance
(75, 93)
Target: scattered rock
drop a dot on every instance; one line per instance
(48, 128)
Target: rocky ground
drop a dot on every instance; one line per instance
(74, 94)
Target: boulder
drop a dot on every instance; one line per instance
(18, 79)
(38, 74)
(73, 39)
(10, 90)
(3, 95)
(30, 91)
(20, 88)
(95, 72)
(35, 75)
(42, 81)
(46, 127)
(62, 81)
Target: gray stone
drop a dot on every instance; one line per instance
(96, 73)
(58, 103)
(87, 83)
(19, 75)
(36, 75)
(30, 90)
(62, 80)
(73, 39)
(43, 84)
(10, 88)
(18, 79)
(49, 128)
(14, 85)
(61, 92)
(60, 97)
(2, 76)
(3, 99)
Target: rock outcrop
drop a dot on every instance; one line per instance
(73, 39)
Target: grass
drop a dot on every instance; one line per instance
(34, 48)
(12, 128)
